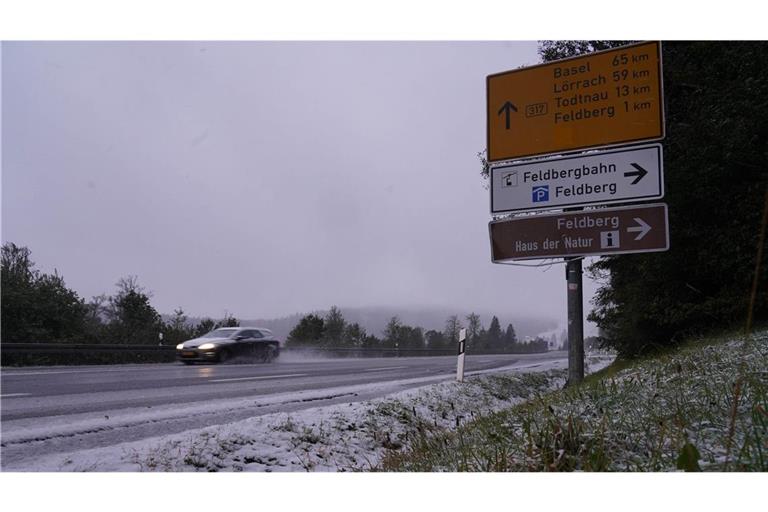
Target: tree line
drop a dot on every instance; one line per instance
(39, 307)
(333, 330)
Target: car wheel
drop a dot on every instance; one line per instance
(223, 356)
(187, 363)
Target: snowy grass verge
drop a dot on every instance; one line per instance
(702, 407)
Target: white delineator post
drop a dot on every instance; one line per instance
(460, 366)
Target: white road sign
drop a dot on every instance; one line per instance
(603, 177)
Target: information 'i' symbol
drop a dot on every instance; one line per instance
(609, 239)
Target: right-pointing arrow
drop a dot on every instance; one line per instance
(641, 228)
(640, 173)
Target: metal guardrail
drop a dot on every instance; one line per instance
(370, 352)
(49, 348)
(25, 354)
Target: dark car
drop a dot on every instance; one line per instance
(240, 343)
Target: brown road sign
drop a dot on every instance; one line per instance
(607, 231)
(601, 99)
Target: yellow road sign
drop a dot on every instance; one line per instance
(601, 99)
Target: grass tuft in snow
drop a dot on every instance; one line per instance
(700, 408)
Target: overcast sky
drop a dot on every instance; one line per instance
(262, 179)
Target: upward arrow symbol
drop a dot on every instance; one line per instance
(506, 108)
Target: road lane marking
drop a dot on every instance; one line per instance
(6, 373)
(387, 368)
(11, 395)
(260, 378)
(13, 374)
(103, 370)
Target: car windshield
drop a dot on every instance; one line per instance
(221, 333)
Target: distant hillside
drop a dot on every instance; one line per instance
(374, 320)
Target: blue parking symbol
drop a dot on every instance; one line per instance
(540, 193)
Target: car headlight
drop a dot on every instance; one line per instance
(207, 346)
(179, 346)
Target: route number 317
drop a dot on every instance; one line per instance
(535, 109)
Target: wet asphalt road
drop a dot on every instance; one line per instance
(39, 391)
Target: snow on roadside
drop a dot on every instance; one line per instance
(343, 437)
(699, 407)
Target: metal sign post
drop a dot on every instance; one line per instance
(460, 364)
(575, 321)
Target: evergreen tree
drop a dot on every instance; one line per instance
(715, 186)
(132, 317)
(494, 338)
(36, 306)
(334, 328)
(509, 339)
(59, 311)
(309, 331)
